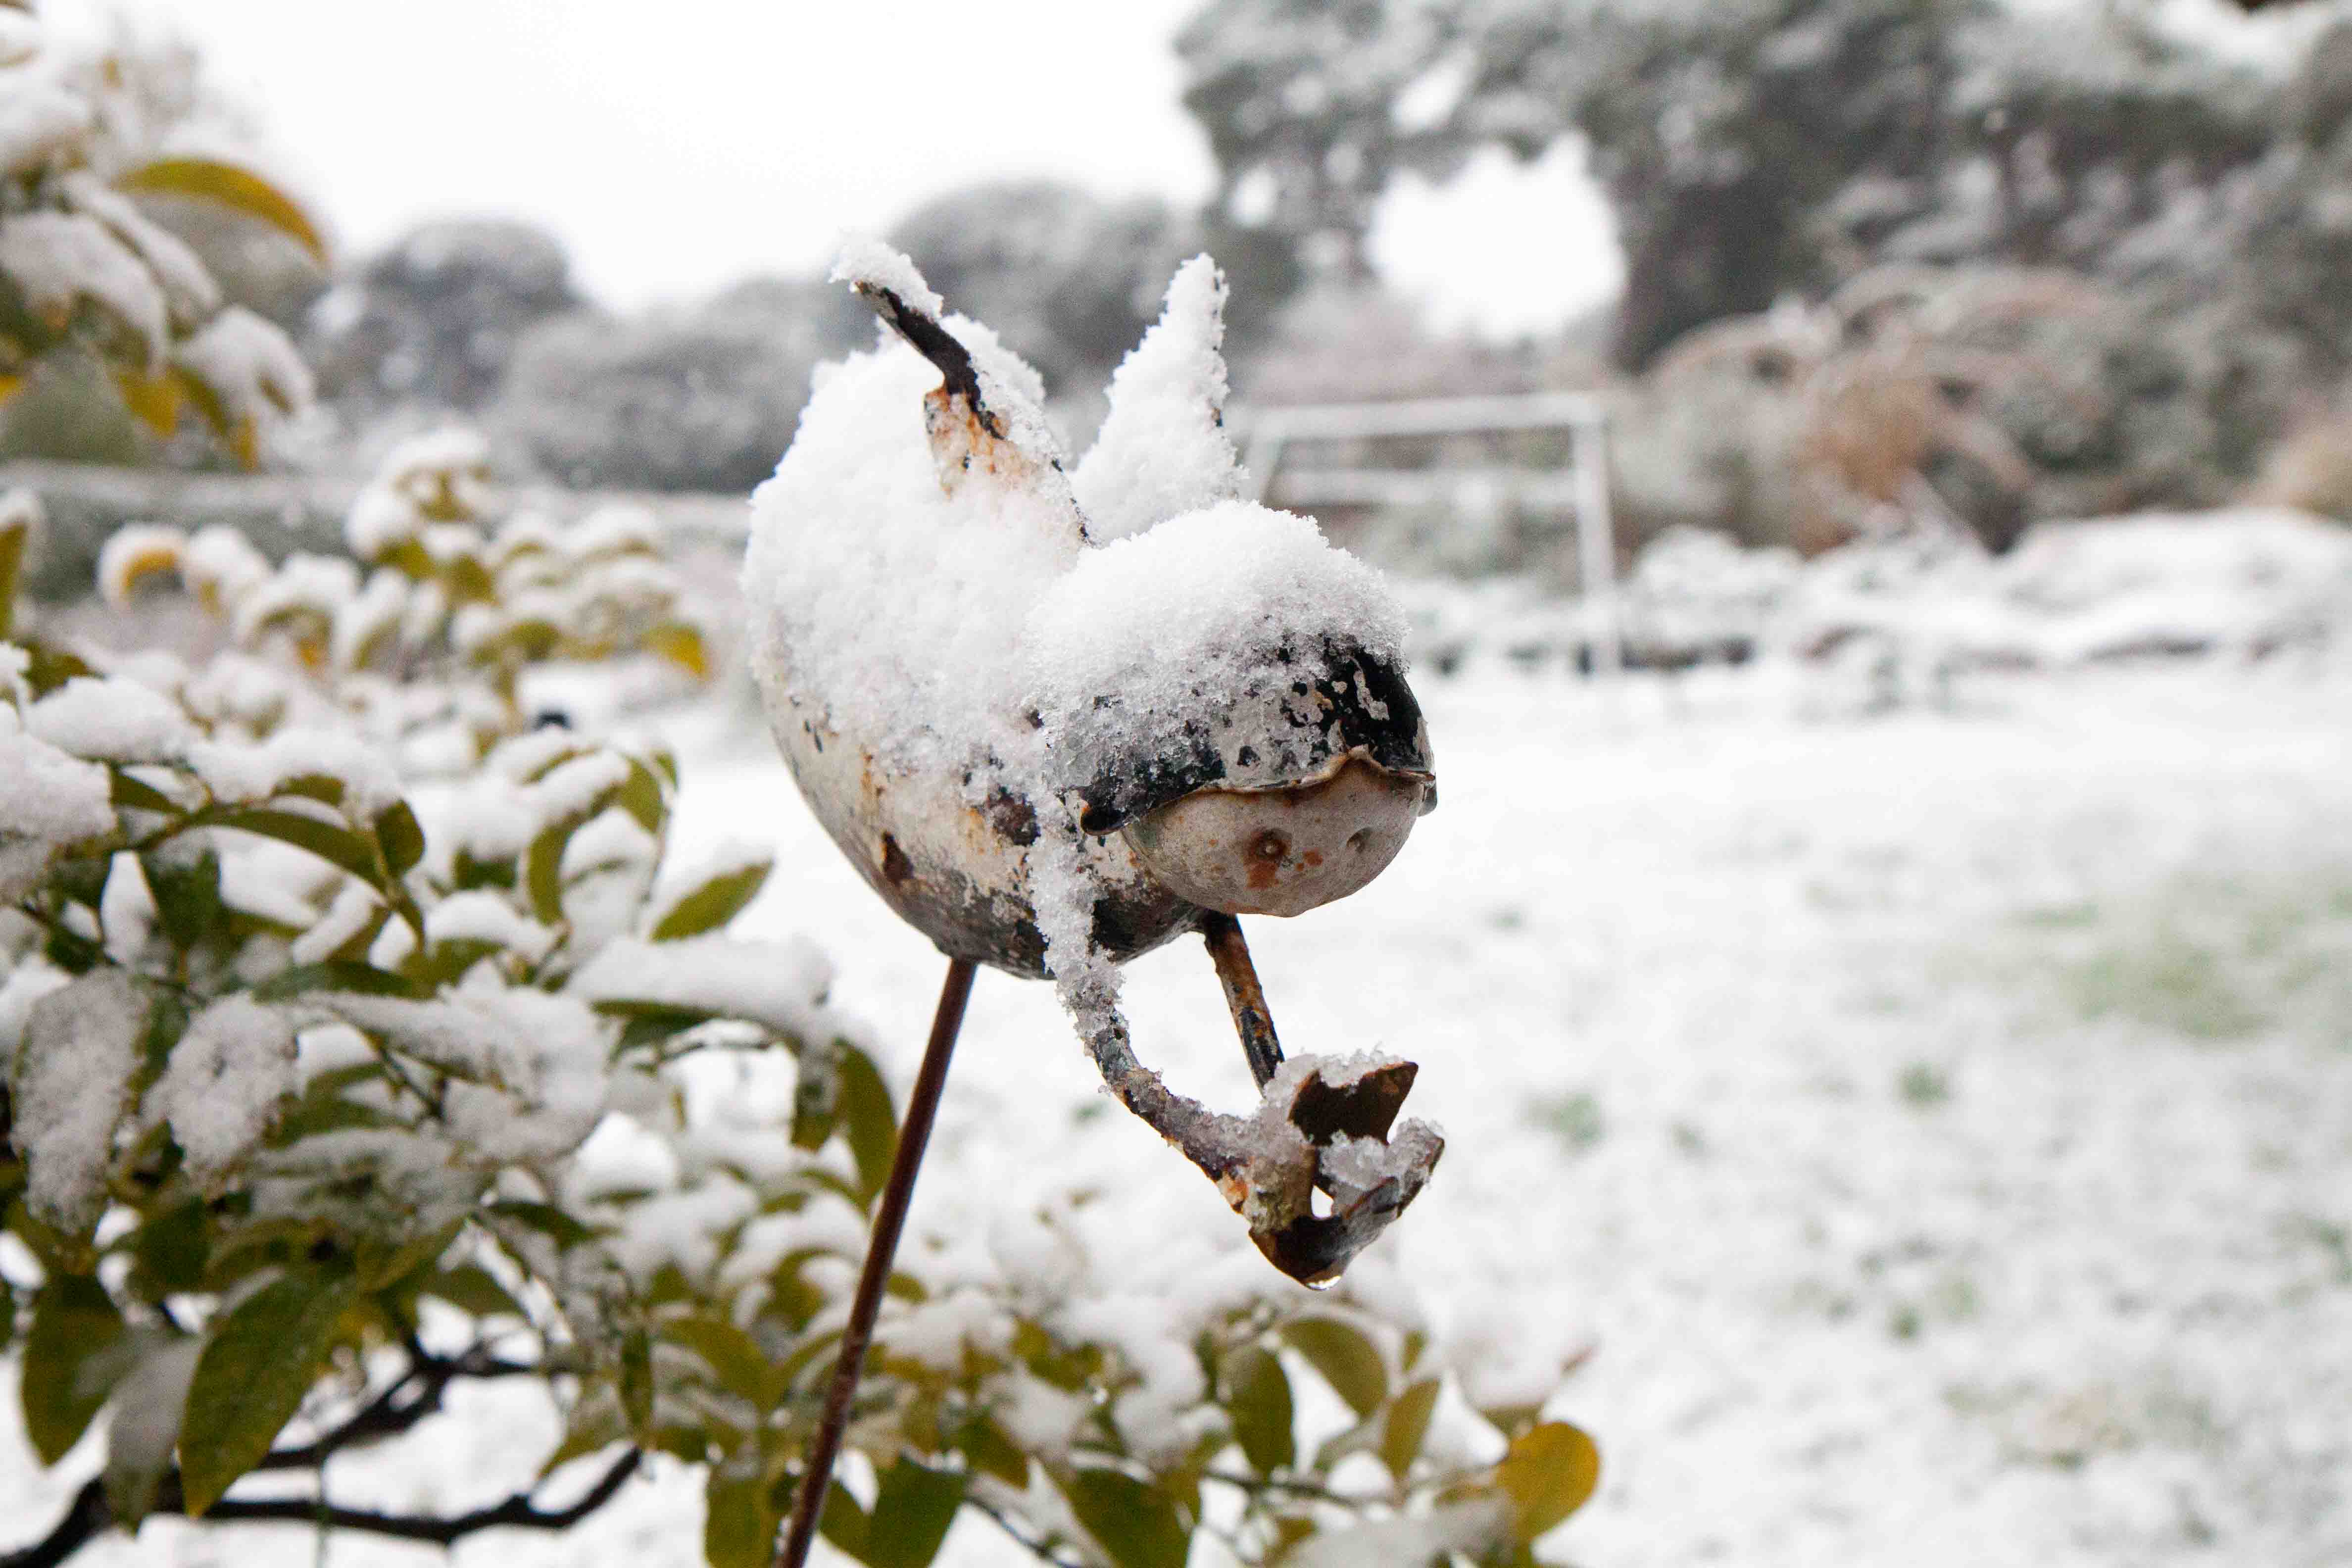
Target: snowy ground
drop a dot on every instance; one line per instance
(1941, 1122)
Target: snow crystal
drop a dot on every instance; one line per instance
(621, 1156)
(862, 261)
(223, 1083)
(683, 1228)
(110, 720)
(188, 289)
(126, 909)
(58, 260)
(262, 878)
(481, 915)
(362, 622)
(380, 520)
(248, 365)
(614, 528)
(355, 905)
(32, 979)
(222, 566)
(1466, 1527)
(778, 983)
(938, 1333)
(315, 585)
(241, 772)
(48, 800)
(38, 123)
(71, 1081)
(1162, 449)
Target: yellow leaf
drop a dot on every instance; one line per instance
(231, 186)
(155, 399)
(10, 385)
(1548, 1474)
(682, 646)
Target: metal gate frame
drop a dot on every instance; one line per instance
(1582, 485)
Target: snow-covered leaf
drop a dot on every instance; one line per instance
(230, 187)
(714, 902)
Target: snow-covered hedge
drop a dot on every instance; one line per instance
(326, 1089)
(85, 273)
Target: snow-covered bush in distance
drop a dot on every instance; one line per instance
(462, 599)
(322, 1094)
(87, 274)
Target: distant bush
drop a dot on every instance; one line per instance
(699, 399)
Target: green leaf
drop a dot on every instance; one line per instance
(170, 1250)
(68, 1361)
(361, 977)
(1407, 1425)
(992, 1452)
(324, 788)
(643, 798)
(842, 1522)
(872, 1125)
(144, 1427)
(231, 186)
(594, 1425)
(1348, 1359)
(338, 846)
(714, 903)
(545, 1218)
(817, 1095)
(733, 1357)
(1258, 1394)
(470, 1287)
(739, 1517)
(636, 1384)
(402, 838)
(123, 791)
(257, 1363)
(187, 895)
(1136, 1522)
(913, 1506)
(1547, 1475)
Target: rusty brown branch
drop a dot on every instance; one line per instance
(1245, 997)
(889, 1219)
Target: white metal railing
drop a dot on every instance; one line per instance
(1581, 487)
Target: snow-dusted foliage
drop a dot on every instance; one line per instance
(325, 1090)
(428, 640)
(92, 276)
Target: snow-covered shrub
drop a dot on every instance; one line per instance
(323, 1092)
(460, 598)
(86, 274)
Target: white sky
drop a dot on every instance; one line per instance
(676, 146)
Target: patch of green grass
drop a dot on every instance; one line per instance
(1575, 1118)
(2167, 980)
(1923, 1086)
